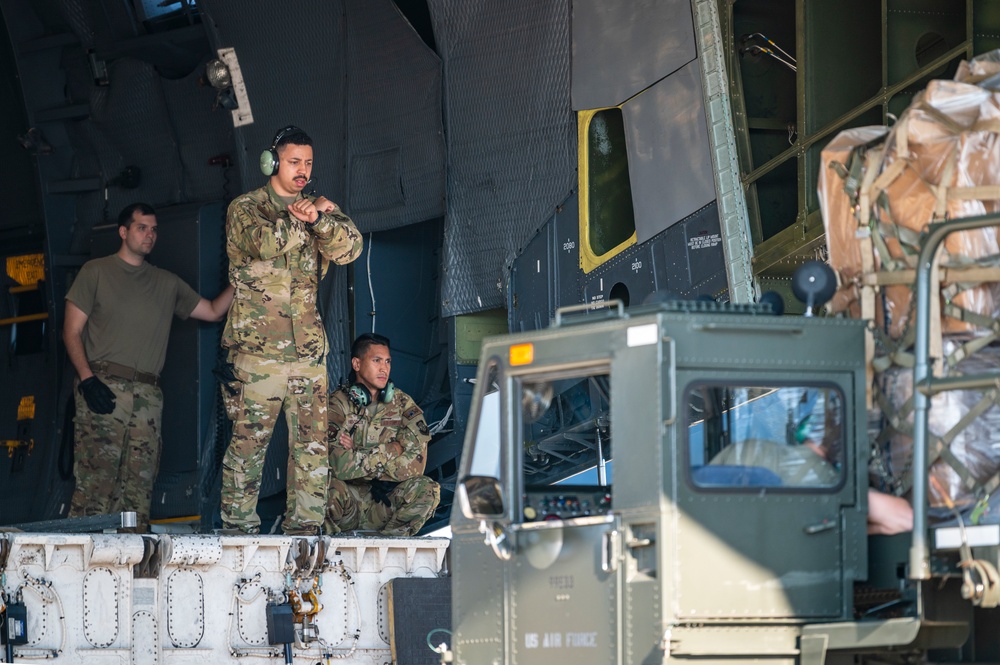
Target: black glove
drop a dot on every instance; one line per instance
(99, 397)
(381, 490)
(223, 372)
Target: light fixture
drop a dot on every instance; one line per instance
(217, 73)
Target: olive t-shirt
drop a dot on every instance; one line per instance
(129, 310)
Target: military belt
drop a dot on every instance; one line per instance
(125, 372)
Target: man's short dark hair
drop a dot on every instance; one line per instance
(297, 137)
(365, 340)
(125, 217)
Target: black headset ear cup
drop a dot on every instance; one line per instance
(388, 392)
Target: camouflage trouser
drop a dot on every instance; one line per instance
(117, 454)
(351, 506)
(263, 388)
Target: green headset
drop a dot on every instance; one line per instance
(361, 398)
(356, 391)
(269, 158)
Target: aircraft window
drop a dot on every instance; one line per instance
(486, 451)
(766, 436)
(566, 431)
(607, 217)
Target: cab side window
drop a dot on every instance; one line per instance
(765, 436)
(486, 460)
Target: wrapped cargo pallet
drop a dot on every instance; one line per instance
(940, 161)
(879, 190)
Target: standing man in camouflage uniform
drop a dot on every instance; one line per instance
(378, 450)
(117, 321)
(277, 238)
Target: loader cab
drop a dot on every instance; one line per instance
(538, 489)
(628, 480)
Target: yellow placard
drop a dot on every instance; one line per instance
(26, 409)
(26, 269)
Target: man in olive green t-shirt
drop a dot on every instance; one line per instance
(117, 321)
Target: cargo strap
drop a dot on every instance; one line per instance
(867, 188)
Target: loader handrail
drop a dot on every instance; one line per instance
(936, 233)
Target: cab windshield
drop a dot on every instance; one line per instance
(566, 429)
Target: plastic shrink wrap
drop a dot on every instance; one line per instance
(879, 188)
(971, 456)
(940, 160)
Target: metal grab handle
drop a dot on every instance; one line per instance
(496, 538)
(609, 550)
(820, 527)
(920, 564)
(636, 543)
(746, 328)
(588, 307)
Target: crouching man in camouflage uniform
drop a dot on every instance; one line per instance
(277, 238)
(378, 450)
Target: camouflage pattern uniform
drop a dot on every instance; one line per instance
(108, 478)
(278, 346)
(351, 504)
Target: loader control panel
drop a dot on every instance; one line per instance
(565, 502)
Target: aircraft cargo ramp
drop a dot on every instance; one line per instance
(122, 598)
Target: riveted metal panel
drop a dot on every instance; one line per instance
(669, 159)
(383, 612)
(190, 551)
(690, 256)
(81, 588)
(337, 604)
(733, 216)
(551, 257)
(145, 648)
(100, 607)
(533, 283)
(628, 277)
(185, 608)
(37, 601)
(685, 260)
(251, 619)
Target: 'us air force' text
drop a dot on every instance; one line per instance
(560, 640)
